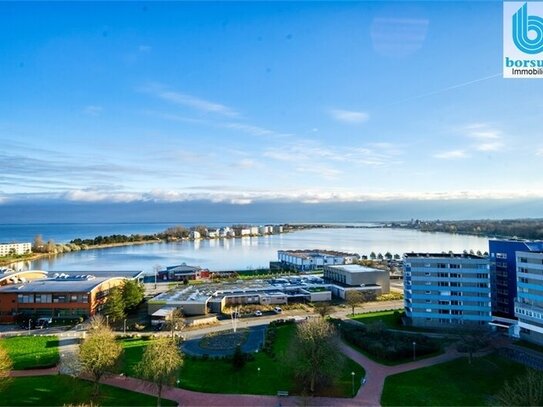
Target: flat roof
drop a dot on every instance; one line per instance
(445, 255)
(355, 268)
(316, 252)
(100, 273)
(56, 285)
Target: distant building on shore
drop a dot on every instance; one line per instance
(183, 272)
(311, 260)
(7, 249)
(447, 290)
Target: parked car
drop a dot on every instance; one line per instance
(277, 310)
(43, 323)
(258, 313)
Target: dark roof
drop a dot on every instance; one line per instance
(444, 255)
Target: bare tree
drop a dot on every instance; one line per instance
(315, 356)
(176, 322)
(323, 308)
(355, 298)
(526, 390)
(160, 363)
(99, 352)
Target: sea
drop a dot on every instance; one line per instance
(224, 254)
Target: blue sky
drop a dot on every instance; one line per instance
(262, 102)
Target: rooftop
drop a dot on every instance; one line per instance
(355, 268)
(84, 283)
(444, 255)
(315, 252)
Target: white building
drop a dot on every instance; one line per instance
(195, 235)
(263, 230)
(213, 234)
(309, 260)
(278, 229)
(14, 248)
(245, 232)
(254, 230)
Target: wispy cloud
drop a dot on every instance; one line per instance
(349, 116)
(486, 137)
(93, 110)
(539, 152)
(398, 37)
(453, 154)
(186, 100)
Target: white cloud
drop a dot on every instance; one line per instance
(486, 137)
(453, 154)
(494, 146)
(539, 152)
(186, 100)
(93, 110)
(349, 116)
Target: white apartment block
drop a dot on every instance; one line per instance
(14, 248)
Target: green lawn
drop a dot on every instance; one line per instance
(455, 383)
(64, 390)
(386, 317)
(31, 352)
(133, 351)
(219, 376)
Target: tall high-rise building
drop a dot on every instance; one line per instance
(503, 276)
(529, 301)
(447, 290)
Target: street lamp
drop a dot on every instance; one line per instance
(414, 350)
(352, 382)
(258, 372)
(124, 328)
(107, 320)
(178, 381)
(29, 323)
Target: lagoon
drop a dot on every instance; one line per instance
(256, 252)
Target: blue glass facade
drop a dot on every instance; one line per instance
(503, 273)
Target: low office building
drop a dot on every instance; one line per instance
(7, 249)
(213, 298)
(311, 260)
(183, 272)
(63, 296)
(354, 277)
(529, 301)
(447, 290)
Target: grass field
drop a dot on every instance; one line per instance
(455, 383)
(386, 317)
(31, 352)
(64, 390)
(219, 376)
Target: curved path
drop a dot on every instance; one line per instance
(369, 394)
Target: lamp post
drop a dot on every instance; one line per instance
(414, 350)
(29, 323)
(124, 327)
(107, 320)
(178, 381)
(258, 372)
(352, 382)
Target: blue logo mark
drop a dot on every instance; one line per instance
(523, 24)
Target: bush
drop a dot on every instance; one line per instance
(384, 344)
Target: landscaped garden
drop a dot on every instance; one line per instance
(454, 383)
(64, 390)
(264, 372)
(388, 347)
(32, 352)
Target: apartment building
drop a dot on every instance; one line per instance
(447, 290)
(529, 300)
(310, 260)
(14, 248)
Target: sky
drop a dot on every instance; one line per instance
(240, 105)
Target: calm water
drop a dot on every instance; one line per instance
(246, 253)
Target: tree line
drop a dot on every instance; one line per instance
(506, 228)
